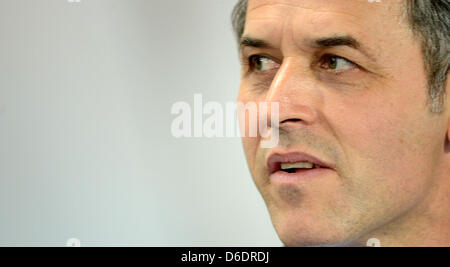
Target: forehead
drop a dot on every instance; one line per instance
(274, 19)
(351, 7)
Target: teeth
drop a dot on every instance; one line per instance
(298, 165)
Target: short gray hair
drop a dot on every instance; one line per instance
(429, 20)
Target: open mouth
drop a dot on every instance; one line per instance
(298, 166)
(296, 162)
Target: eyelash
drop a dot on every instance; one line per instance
(249, 62)
(327, 57)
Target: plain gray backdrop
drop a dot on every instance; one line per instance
(86, 150)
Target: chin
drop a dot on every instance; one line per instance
(303, 231)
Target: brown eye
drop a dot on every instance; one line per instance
(262, 63)
(336, 63)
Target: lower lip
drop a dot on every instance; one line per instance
(300, 176)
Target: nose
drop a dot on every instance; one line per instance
(296, 91)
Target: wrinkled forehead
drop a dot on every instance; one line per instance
(274, 19)
(349, 6)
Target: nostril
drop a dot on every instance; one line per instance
(291, 120)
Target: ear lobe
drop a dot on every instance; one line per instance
(447, 89)
(448, 131)
(448, 134)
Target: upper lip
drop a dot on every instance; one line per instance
(275, 160)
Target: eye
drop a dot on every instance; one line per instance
(262, 63)
(335, 63)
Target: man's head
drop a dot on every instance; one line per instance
(361, 89)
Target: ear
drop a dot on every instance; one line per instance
(448, 131)
(447, 89)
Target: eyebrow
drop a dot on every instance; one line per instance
(325, 42)
(344, 40)
(253, 42)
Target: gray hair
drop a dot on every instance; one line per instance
(429, 20)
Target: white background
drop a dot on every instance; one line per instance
(85, 144)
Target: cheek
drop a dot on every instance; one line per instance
(250, 144)
(250, 148)
(389, 149)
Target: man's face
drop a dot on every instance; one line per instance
(350, 81)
